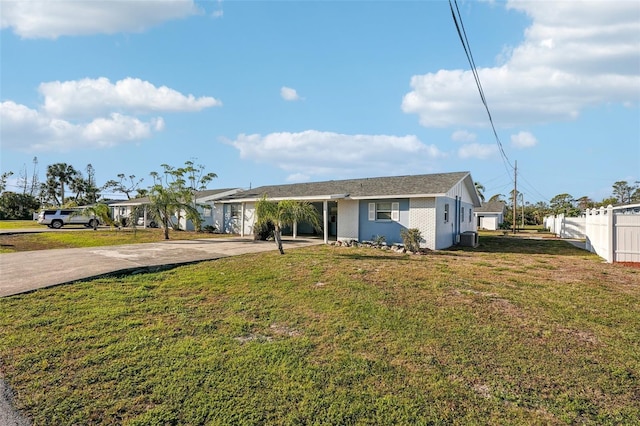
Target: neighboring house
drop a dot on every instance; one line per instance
(206, 203)
(491, 215)
(439, 205)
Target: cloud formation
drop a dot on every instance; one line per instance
(52, 19)
(463, 136)
(523, 140)
(88, 97)
(92, 113)
(289, 94)
(575, 55)
(313, 152)
(477, 151)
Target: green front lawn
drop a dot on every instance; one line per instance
(82, 237)
(513, 332)
(19, 224)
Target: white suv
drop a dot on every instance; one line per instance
(60, 217)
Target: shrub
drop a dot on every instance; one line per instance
(263, 231)
(378, 239)
(209, 229)
(411, 239)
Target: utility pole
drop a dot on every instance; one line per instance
(515, 193)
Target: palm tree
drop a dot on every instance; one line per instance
(479, 190)
(59, 174)
(100, 213)
(285, 213)
(165, 203)
(496, 197)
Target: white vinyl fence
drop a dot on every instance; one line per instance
(566, 227)
(613, 233)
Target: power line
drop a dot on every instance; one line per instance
(467, 50)
(457, 19)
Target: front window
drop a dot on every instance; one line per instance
(235, 210)
(383, 211)
(446, 213)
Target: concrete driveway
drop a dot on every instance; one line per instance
(27, 271)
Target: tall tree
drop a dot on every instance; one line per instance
(185, 182)
(58, 175)
(164, 203)
(585, 203)
(3, 180)
(285, 213)
(125, 184)
(91, 190)
(29, 184)
(623, 191)
(565, 204)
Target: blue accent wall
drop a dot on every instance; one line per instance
(389, 229)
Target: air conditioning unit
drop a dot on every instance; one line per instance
(469, 239)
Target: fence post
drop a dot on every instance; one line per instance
(610, 234)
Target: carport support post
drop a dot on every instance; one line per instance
(144, 217)
(295, 230)
(325, 220)
(242, 220)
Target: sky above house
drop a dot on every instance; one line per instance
(274, 92)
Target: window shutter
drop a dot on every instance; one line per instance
(372, 211)
(395, 211)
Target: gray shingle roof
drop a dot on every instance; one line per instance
(145, 200)
(430, 184)
(491, 207)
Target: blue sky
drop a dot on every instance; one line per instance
(271, 92)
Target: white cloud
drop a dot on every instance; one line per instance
(52, 19)
(32, 131)
(92, 114)
(289, 94)
(523, 140)
(324, 153)
(575, 55)
(463, 136)
(89, 97)
(477, 150)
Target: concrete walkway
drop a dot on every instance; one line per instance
(27, 271)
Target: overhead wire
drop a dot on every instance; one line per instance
(457, 19)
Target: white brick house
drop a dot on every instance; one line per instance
(440, 205)
(206, 203)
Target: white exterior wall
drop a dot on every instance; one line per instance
(465, 223)
(422, 216)
(489, 222)
(249, 217)
(444, 230)
(218, 217)
(348, 228)
(460, 191)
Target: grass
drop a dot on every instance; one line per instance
(19, 224)
(513, 332)
(89, 238)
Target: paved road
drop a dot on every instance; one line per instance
(27, 271)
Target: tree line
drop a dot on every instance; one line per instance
(528, 213)
(67, 186)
